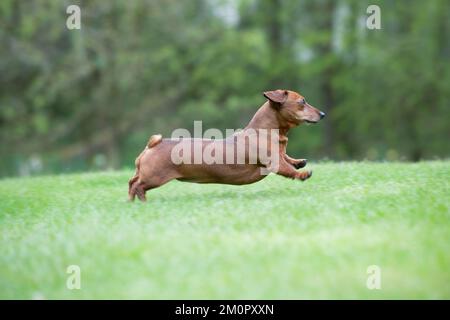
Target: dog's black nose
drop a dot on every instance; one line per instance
(322, 115)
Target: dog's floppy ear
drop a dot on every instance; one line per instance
(277, 96)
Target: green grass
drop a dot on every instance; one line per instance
(276, 239)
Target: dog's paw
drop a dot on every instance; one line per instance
(304, 175)
(301, 164)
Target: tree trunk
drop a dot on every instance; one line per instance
(325, 50)
(274, 31)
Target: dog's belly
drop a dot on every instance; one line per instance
(229, 165)
(237, 174)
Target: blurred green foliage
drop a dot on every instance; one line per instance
(90, 98)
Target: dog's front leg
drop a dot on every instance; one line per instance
(297, 163)
(285, 169)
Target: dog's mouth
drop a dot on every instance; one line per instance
(309, 121)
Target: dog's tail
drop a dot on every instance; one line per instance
(132, 183)
(154, 140)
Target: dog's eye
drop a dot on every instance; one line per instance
(302, 102)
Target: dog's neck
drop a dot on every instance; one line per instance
(268, 118)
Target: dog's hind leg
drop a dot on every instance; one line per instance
(132, 182)
(130, 186)
(137, 189)
(140, 192)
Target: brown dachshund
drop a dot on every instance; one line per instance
(245, 157)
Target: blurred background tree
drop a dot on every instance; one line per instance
(90, 98)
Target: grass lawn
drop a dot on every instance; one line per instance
(275, 239)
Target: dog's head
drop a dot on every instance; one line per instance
(293, 108)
